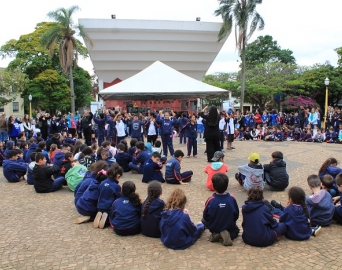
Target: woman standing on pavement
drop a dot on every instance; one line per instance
(211, 131)
(86, 126)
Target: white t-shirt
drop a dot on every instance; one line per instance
(199, 121)
(120, 128)
(152, 129)
(222, 124)
(230, 126)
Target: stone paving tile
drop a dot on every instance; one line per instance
(36, 230)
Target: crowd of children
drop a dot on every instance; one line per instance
(94, 176)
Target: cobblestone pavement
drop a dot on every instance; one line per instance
(37, 230)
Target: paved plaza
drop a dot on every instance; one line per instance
(37, 230)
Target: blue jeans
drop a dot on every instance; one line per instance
(185, 177)
(57, 184)
(136, 167)
(3, 135)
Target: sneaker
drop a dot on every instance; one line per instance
(134, 172)
(316, 230)
(226, 238)
(103, 220)
(215, 237)
(97, 220)
(238, 178)
(232, 147)
(275, 204)
(82, 219)
(269, 206)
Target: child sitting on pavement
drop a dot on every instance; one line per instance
(221, 212)
(251, 174)
(172, 170)
(320, 205)
(122, 158)
(151, 170)
(217, 166)
(14, 168)
(260, 229)
(140, 156)
(338, 209)
(328, 184)
(275, 174)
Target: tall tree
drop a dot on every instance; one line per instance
(62, 33)
(242, 15)
(266, 50)
(12, 83)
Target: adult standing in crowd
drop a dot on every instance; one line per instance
(301, 116)
(211, 131)
(86, 126)
(27, 125)
(13, 128)
(3, 128)
(43, 125)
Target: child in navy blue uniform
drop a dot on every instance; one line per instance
(176, 227)
(151, 211)
(87, 203)
(260, 229)
(172, 170)
(106, 156)
(123, 158)
(140, 156)
(166, 129)
(191, 133)
(30, 178)
(295, 215)
(331, 135)
(329, 167)
(338, 209)
(221, 212)
(109, 191)
(135, 128)
(151, 170)
(89, 176)
(126, 211)
(14, 169)
(320, 205)
(328, 184)
(156, 148)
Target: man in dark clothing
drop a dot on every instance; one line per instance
(301, 116)
(86, 126)
(43, 125)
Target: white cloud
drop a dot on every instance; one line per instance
(310, 28)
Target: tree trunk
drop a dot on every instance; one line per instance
(243, 60)
(71, 78)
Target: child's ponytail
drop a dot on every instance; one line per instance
(128, 190)
(154, 191)
(326, 164)
(297, 195)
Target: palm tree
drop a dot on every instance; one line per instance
(62, 33)
(242, 15)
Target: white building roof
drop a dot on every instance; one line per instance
(159, 81)
(122, 48)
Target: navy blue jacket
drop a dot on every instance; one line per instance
(151, 219)
(88, 200)
(172, 169)
(131, 152)
(123, 159)
(31, 150)
(135, 129)
(58, 159)
(141, 157)
(183, 121)
(11, 167)
(221, 213)
(191, 130)
(321, 208)
(151, 171)
(101, 123)
(166, 126)
(298, 226)
(332, 170)
(109, 191)
(30, 178)
(124, 215)
(177, 230)
(258, 224)
(9, 147)
(83, 185)
(111, 127)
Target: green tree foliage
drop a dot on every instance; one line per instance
(241, 15)
(339, 54)
(311, 83)
(12, 83)
(50, 91)
(33, 59)
(266, 50)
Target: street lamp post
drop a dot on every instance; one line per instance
(30, 99)
(326, 82)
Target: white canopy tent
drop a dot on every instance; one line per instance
(159, 81)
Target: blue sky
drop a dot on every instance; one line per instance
(310, 28)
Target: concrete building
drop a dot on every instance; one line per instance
(122, 48)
